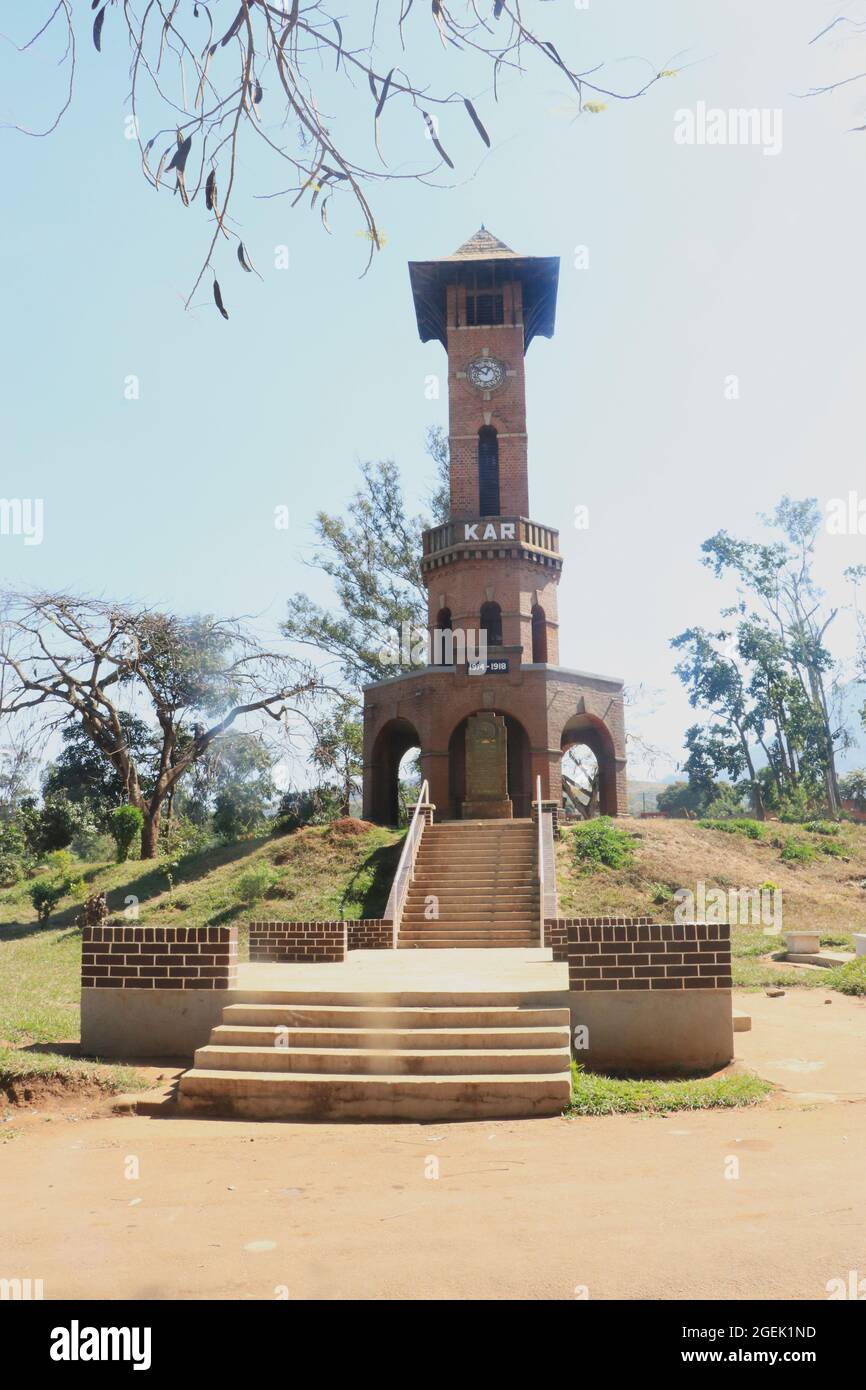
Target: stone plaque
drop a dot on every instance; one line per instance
(486, 768)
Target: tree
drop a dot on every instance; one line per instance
(339, 750)
(715, 684)
(274, 71)
(373, 557)
(84, 775)
(63, 656)
(770, 678)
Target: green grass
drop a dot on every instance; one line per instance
(751, 829)
(594, 1094)
(850, 978)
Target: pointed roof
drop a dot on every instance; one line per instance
(482, 246)
(538, 275)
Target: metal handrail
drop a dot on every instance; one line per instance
(406, 867)
(540, 837)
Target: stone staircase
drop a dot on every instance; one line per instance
(410, 1056)
(482, 878)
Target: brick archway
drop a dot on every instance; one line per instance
(519, 765)
(392, 743)
(591, 732)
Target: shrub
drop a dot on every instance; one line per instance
(834, 848)
(850, 978)
(45, 894)
(797, 852)
(821, 827)
(752, 829)
(599, 843)
(125, 825)
(660, 894)
(254, 883)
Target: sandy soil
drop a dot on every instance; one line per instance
(624, 1206)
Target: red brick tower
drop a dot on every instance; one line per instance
(489, 569)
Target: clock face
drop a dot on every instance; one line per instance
(486, 373)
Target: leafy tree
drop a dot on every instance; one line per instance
(232, 784)
(85, 776)
(212, 85)
(690, 800)
(373, 558)
(63, 656)
(715, 684)
(339, 750)
(779, 577)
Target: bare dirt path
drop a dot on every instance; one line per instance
(635, 1207)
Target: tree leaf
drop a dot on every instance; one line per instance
(244, 258)
(383, 96)
(433, 136)
(97, 29)
(179, 158)
(233, 27)
(210, 191)
(476, 121)
(218, 299)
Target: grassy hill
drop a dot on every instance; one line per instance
(823, 890)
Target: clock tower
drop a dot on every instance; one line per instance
(491, 711)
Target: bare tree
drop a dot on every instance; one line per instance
(208, 75)
(64, 657)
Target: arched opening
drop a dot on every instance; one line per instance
(539, 635)
(394, 741)
(588, 782)
(519, 768)
(443, 619)
(488, 471)
(490, 622)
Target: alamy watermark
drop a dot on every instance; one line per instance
(736, 907)
(412, 645)
(735, 126)
(23, 516)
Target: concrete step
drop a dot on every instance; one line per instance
(281, 1095)
(445, 1011)
(467, 1037)
(365, 1060)
(467, 943)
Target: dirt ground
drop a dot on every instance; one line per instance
(621, 1207)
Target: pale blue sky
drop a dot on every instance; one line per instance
(703, 262)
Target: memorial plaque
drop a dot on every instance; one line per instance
(486, 768)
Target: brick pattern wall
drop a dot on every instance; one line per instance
(297, 942)
(371, 934)
(318, 941)
(137, 957)
(633, 953)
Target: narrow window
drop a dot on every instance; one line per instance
(491, 623)
(539, 635)
(488, 471)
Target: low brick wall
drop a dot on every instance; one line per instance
(633, 953)
(178, 958)
(297, 942)
(371, 934)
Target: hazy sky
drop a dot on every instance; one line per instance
(705, 262)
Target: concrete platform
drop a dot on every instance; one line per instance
(456, 971)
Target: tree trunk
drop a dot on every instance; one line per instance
(150, 835)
